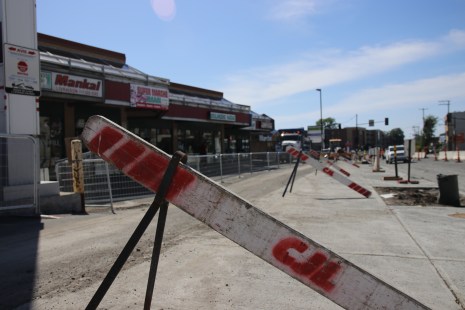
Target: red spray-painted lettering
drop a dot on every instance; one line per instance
(132, 157)
(328, 171)
(316, 268)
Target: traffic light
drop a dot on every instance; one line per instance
(449, 118)
(339, 126)
(386, 121)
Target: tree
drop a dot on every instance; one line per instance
(429, 126)
(328, 122)
(396, 136)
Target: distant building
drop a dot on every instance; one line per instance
(376, 137)
(78, 81)
(455, 130)
(352, 138)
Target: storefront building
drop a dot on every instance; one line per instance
(261, 133)
(78, 81)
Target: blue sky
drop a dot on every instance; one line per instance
(371, 58)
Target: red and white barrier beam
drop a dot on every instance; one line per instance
(295, 254)
(318, 165)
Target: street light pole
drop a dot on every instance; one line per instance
(321, 121)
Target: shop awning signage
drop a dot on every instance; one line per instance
(222, 117)
(76, 85)
(149, 97)
(265, 125)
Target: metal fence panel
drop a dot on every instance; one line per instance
(19, 172)
(104, 182)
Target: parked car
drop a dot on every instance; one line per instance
(400, 154)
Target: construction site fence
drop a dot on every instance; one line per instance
(104, 183)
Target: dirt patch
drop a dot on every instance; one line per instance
(411, 196)
(458, 215)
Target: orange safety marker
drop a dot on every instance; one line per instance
(284, 248)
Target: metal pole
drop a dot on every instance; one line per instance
(138, 232)
(293, 174)
(409, 159)
(268, 160)
(239, 164)
(109, 188)
(36, 174)
(321, 120)
(251, 163)
(156, 254)
(221, 168)
(446, 102)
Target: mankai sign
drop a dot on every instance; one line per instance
(71, 84)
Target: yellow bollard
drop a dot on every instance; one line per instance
(78, 171)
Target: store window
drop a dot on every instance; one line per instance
(198, 139)
(51, 137)
(236, 144)
(156, 133)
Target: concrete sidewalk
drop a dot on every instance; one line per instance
(418, 250)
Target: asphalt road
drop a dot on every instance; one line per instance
(59, 263)
(428, 168)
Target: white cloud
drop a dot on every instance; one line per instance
(400, 101)
(455, 39)
(398, 97)
(292, 10)
(259, 86)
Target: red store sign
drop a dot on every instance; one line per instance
(76, 85)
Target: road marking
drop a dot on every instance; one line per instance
(295, 254)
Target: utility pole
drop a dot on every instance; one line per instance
(447, 103)
(423, 128)
(423, 109)
(356, 131)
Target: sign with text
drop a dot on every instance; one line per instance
(22, 70)
(222, 117)
(76, 85)
(148, 97)
(266, 125)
